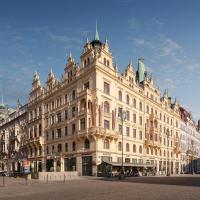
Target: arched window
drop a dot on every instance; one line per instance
(106, 107)
(160, 152)
(106, 144)
(147, 109)
(127, 147)
(127, 99)
(164, 153)
(134, 148)
(155, 123)
(156, 152)
(73, 95)
(141, 106)
(151, 151)
(120, 95)
(104, 61)
(82, 105)
(134, 103)
(151, 110)
(119, 146)
(87, 144)
(35, 151)
(40, 129)
(35, 131)
(140, 149)
(73, 146)
(88, 61)
(85, 63)
(147, 150)
(108, 63)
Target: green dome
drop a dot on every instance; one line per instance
(2, 106)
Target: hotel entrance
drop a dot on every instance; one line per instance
(87, 166)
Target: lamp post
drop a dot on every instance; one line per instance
(168, 165)
(192, 160)
(123, 118)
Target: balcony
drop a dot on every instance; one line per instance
(84, 92)
(35, 141)
(152, 143)
(98, 132)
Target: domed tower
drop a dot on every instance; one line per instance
(96, 52)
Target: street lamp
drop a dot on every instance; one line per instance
(192, 160)
(168, 165)
(123, 118)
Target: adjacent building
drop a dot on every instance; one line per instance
(190, 143)
(13, 131)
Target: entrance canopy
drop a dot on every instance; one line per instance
(119, 164)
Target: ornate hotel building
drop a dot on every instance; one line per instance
(75, 123)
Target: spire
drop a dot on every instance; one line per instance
(36, 76)
(70, 57)
(87, 40)
(106, 41)
(96, 37)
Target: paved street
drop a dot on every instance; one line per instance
(172, 188)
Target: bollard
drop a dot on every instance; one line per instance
(47, 179)
(3, 181)
(64, 178)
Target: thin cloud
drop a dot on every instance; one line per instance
(169, 47)
(133, 24)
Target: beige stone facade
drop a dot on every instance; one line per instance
(75, 124)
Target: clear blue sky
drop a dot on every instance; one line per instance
(38, 35)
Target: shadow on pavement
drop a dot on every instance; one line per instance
(182, 181)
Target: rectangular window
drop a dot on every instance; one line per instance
(87, 85)
(106, 88)
(106, 124)
(134, 160)
(82, 124)
(73, 129)
(59, 117)
(66, 147)
(140, 120)
(52, 135)
(127, 131)
(140, 135)
(73, 111)
(140, 161)
(127, 115)
(66, 130)
(134, 133)
(59, 148)
(59, 133)
(120, 113)
(66, 114)
(134, 118)
(66, 98)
